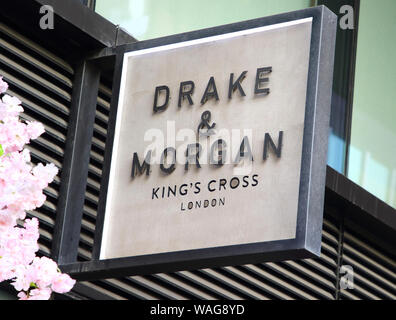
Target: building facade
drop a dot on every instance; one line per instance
(51, 71)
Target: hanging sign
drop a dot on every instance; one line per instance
(220, 144)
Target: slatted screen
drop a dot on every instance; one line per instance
(307, 279)
(43, 82)
(374, 271)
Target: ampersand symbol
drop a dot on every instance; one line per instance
(205, 118)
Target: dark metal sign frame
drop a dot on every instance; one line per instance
(312, 176)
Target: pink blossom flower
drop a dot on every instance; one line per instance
(3, 85)
(21, 189)
(6, 220)
(62, 283)
(13, 105)
(45, 174)
(45, 269)
(39, 294)
(35, 129)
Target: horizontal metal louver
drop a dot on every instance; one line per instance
(306, 279)
(374, 271)
(43, 82)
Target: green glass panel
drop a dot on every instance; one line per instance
(147, 19)
(372, 157)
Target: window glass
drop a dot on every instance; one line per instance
(344, 63)
(147, 19)
(372, 153)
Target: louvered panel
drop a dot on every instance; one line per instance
(164, 287)
(31, 49)
(89, 212)
(99, 133)
(95, 185)
(117, 287)
(91, 197)
(179, 284)
(199, 278)
(97, 156)
(10, 50)
(217, 282)
(374, 270)
(109, 293)
(254, 276)
(51, 134)
(295, 282)
(189, 279)
(104, 96)
(40, 155)
(38, 112)
(43, 82)
(242, 287)
(46, 151)
(99, 144)
(23, 88)
(266, 291)
(284, 283)
(155, 285)
(101, 118)
(304, 279)
(307, 279)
